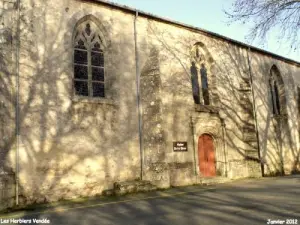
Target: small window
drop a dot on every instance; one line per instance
(88, 61)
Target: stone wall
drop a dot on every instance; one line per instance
(7, 190)
(72, 146)
(155, 168)
(181, 174)
(277, 154)
(7, 84)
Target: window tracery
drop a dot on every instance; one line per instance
(201, 93)
(88, 61)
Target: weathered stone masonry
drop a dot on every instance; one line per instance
(7, 100)
(74, 146)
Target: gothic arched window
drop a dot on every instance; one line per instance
(204, 84)
(195, 83)
(201, 63)
(277, 92)
(88, 61)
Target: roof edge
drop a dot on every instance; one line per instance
(170, 21)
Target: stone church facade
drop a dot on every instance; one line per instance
(93, 93)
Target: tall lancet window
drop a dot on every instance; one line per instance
(204, 84)
(88, 61)
(277, 91)
(195, 83)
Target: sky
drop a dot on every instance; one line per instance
(208, 15)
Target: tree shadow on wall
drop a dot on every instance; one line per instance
(68, 148)
(231, 75)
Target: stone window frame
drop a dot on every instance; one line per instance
(277, 92)
(200, 56)
(87, 28)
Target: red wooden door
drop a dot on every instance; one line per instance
(206, 155)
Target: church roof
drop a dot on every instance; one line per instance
(190, 27)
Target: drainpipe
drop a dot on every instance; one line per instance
(254, 109)
(17, 100)
(138, 94)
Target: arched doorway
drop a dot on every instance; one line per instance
(206, 154)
